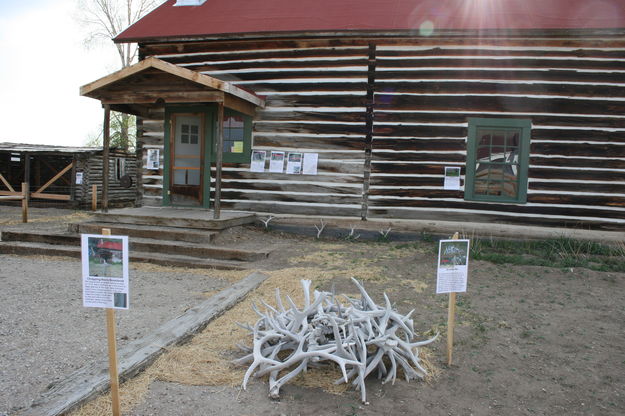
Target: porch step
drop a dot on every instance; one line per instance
(147, 231)
(144, 245)
(194, 219)
(34, 248)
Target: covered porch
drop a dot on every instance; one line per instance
(196, 108)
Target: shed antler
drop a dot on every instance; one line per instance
(357, 338)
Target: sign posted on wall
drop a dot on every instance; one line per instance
(104, 271)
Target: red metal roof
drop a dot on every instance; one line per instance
(254, 16)
(111, 245)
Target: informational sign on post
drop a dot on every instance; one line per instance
(105, 271)
(453, 266)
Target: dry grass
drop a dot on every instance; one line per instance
(229, 275)
(131, 394)
(77, 216)
(206, 358)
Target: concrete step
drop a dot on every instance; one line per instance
(146, 231)
(37, 248)
(143, 245)
(186, 219)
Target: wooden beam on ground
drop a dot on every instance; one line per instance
(106, 143)
(54, 179)
(219, 161)
(92, 379)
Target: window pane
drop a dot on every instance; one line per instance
(234, 134)
(184, 138)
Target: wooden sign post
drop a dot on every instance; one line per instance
(112, 347)
(451, 320)
(453, 265)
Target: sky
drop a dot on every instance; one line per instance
(43, 63)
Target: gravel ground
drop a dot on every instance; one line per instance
(46, 333)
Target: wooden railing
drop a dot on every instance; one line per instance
(12, 195)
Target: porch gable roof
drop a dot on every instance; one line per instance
(153, 80)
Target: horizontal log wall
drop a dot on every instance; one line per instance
(572, 91)
(315, 103)
(117, 194)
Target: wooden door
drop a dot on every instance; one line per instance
(187, 161)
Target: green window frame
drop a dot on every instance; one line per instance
(237, 137)
(497, 160)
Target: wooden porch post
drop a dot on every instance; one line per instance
(219, 161)
(106, 143)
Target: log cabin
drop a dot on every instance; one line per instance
(378, 98)
(65, 176)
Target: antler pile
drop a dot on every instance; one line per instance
(359, 338)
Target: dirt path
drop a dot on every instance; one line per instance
(530, 340)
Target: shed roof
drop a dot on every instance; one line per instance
(137, 87)
(223, 17)
(44, 148)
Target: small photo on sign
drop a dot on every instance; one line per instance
(106, 257)
(104, 271)
(454, 253)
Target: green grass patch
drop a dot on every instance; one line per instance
(558, 253)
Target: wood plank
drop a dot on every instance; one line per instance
(420, 131)
(493, 74)
(430, 145)
(295, 142)
(55, 197)
(513, 104)
(491, 218)
(538, 120)
(6, 183)
(242, 54)
(577, 162)
(573, 212)
(291, 198)
(486, 87)
(509, 62)
(577, 186)
(410, 168)
(577, 174)
(578, 149)
(309, 128)
(504, 53)
(54, 178)
(92, 379)
(322, 64)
